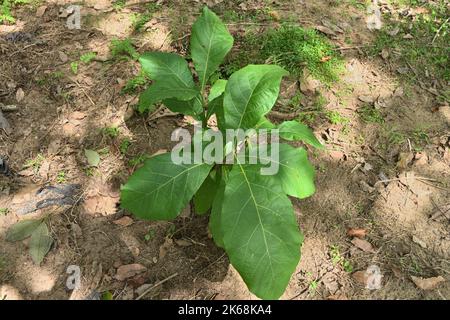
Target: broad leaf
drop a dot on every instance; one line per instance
(295, 131)
(204, 197)
(93, 158)
(260, 232)
(264, 123)
(161, 189)
(250, 94)
(22, 229)
(210, 43)
(215, 220)
(217, 89)
(171, 79)
(216, 107)
(40, 243)
(191, 107)
(295, 172)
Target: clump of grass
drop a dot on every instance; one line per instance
(428, 46)
(5, 12)
(112, 132)
(123, 49)
(370, 114)
(35, 163)
(336, 118)
(293, 48)
(135, 83)
(142, 18)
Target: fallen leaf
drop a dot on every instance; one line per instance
(63, 57)
(325, 30)
(427, 284)
(40, 11)
(325, 59)
(165, 247)
(359, 233)
(364, 245)
(93, 158)
(20, 95)
(124, 221)
(40, 243)
(419, 242)
(130, 270)
(360, 277)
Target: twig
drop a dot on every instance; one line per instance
(439, 30)
(285, 116)
(85, 93)
(156, 285)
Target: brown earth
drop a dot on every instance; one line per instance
(62, 114)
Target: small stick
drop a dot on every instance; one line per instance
(439, 31)
(156, 285)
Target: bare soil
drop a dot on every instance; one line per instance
(63, 113)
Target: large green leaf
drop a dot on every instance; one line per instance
(210, 43)
(295, 172)
(295, 131)
(22, 229)
(217, 89)
(215, 220)
(40, 243)
(204, 197)
(171, 79)
(161, 189)
(260, 232)
(250, 94)
(191, 107)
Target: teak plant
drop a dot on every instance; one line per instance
(252, 217)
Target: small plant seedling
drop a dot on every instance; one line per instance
(112, 132)
(123, 49)
(4, 211)
(251, 215)
(124, 145)
(74, 67)
(61, 177)
(338, 259)
(336, 118)
(149, 235)
(35, 163)
(88, 57)
(370, 114)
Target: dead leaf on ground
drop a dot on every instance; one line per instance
(40, 11)
(165, 247)
(428, 283)
(101, 199)
(20, 94)
(130, 270)
(124, 221)
(358, 233)
(364, 245)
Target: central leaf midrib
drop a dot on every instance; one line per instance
(258, 214)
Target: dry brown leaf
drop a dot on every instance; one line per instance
(130, 270)
(358, 233)
(20, 95)
(40, 11)
(124, 221)
(325, 59)
(165, 247)
(364, 245)
(360, 277)
(427, 284)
